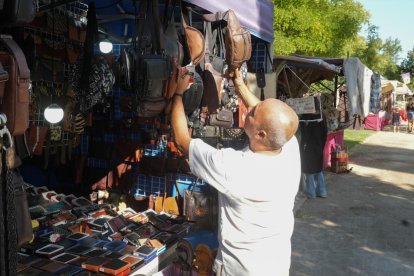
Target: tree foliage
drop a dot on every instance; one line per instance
(316, 27)
(331, 28)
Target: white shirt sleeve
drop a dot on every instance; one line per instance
(207, 163)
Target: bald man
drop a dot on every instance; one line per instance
(257, 186)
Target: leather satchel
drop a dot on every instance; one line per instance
(200, 206)
(15, 101)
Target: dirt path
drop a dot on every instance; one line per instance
(366, 225)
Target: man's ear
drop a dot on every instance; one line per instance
(261, 134)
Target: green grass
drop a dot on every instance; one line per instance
(355, 137)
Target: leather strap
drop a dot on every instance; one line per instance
(11, 45)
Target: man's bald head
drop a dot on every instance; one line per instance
(278, 120)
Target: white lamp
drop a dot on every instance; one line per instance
(105, 46)
(53, 114)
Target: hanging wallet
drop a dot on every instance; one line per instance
(223, 118)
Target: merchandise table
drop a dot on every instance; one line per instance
(73, 234)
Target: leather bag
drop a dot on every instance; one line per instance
(174, 50)
(213, 83)
(269, 90)
(200, 206)
(15, 101)
(23, 220)
(4, 76)
(238, 42)
(18, 11)
(192, 96)
(194, 40)
(223, 118)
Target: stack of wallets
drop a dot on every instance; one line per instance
(146, 252)
(74, 235)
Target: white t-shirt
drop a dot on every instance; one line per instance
(256, 198)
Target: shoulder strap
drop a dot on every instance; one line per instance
(11, 45)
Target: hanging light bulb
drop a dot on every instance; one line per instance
(105, 46)
(53, 114)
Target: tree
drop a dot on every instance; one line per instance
(407, 66)
(380, 56)
(317, 28)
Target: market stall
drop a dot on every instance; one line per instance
(107, 189)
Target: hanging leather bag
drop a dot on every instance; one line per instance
(238, 42)
(15, 100)
(237, 39)
(174, 50)
(200, 206)
(16, 12)
(262, 84)
(153, 66)
(194, 40)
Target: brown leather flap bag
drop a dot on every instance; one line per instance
(15, 101)
(195, 41)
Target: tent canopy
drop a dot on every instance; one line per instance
(395, 87)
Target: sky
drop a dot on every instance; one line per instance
(395, 19)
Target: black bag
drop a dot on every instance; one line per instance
(18, 11)
(155, 67)
(193, 95)
(23, 220)
(201, 207)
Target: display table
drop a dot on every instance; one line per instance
(334, 137)
(374, 122)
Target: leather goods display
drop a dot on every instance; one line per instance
(15, 101)
(200, 206)
(18, 11)
(194, 40)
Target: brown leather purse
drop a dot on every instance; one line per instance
(15, 101)
(237, 41)
(194, 40)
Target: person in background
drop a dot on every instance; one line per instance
(396, 119)
(409, 108)
(256, 186)
(314, 134)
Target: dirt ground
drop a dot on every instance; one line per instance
(366, 224)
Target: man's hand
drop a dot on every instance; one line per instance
(185, 79)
